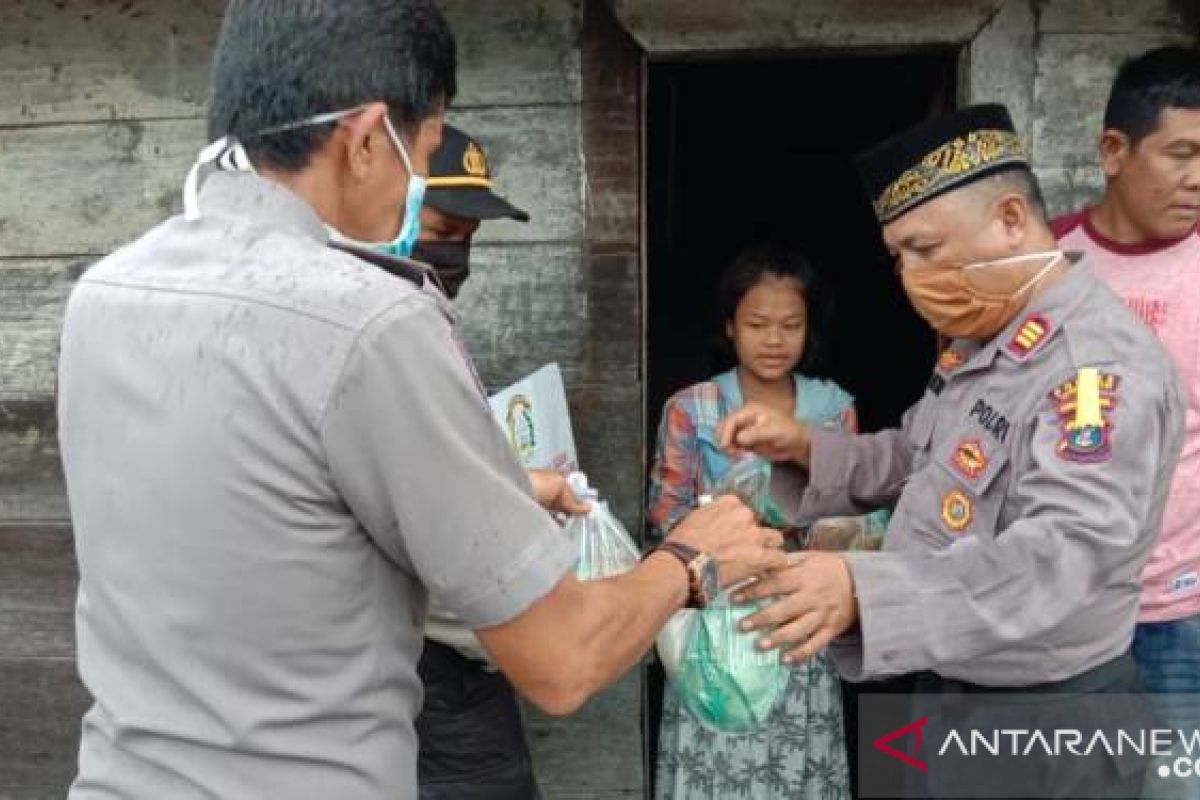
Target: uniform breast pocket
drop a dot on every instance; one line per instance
(957, 492)
(971, 471)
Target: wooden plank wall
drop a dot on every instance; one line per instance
(101, 113)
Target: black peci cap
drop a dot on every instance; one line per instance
(941, 154)
(460, 181)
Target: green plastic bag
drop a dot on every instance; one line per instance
(717, 670)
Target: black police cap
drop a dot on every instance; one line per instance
(460, 181)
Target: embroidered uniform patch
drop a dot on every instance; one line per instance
(950, 360)
(957, 510)
(1032, 333)
(1083, 406)
(969, 459)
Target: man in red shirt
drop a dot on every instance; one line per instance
(1142, 239)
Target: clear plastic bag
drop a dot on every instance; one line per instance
(717, 670)
(603, 547)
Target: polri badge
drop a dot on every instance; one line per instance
(957, 510)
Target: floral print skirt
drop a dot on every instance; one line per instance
(799, 755)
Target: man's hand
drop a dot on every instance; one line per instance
(813, 604)
(726, 530)
(552, 493)
(774, 436)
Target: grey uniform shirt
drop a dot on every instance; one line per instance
(274, 450)
(1014, 553)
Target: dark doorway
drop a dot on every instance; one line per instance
(755, 151)
(747, 152)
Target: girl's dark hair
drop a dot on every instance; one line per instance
(747, 270)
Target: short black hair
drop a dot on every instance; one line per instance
(282, 61)
(1020, 180)
(748, 269)
(1145, 86)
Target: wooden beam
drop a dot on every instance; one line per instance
(30, 470)
(535, 157)
(93, 60)
(32, 296)
(998, 65)
(41, 705)
(87, 189)
(675, 27)
(1162, 17)
(37, 607)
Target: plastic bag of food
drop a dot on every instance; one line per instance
(748, 478)
(849, 533)
(603, 547)
(717, 670)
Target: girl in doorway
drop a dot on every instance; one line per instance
(765, 298)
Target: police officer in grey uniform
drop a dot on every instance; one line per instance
(276, 449)
(1028, 482)
(472, 738)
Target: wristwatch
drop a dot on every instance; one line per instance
(704, 576)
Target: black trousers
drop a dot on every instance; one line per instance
(1108, 697)
(472, 742)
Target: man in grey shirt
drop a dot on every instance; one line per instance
(276, 448)
(1028, 482)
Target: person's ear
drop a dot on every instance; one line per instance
(361, 139)
(1115, 149)
(729, 330)
(1013, 215)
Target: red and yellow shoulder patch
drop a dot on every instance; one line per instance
(1084, 407)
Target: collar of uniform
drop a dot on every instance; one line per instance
(1047, 311)
(415, 272)
(246, 196)
(1049, 308)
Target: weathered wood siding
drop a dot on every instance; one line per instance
(101, 113)
(101, 107)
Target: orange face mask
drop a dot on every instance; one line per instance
(975, 301)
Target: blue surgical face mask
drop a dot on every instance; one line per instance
(228, 154)
(402, 245)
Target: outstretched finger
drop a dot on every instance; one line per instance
(819, 641)
(784, 579)
(792, 634)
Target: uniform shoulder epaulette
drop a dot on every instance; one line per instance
(403, 268)
(1031, 335)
